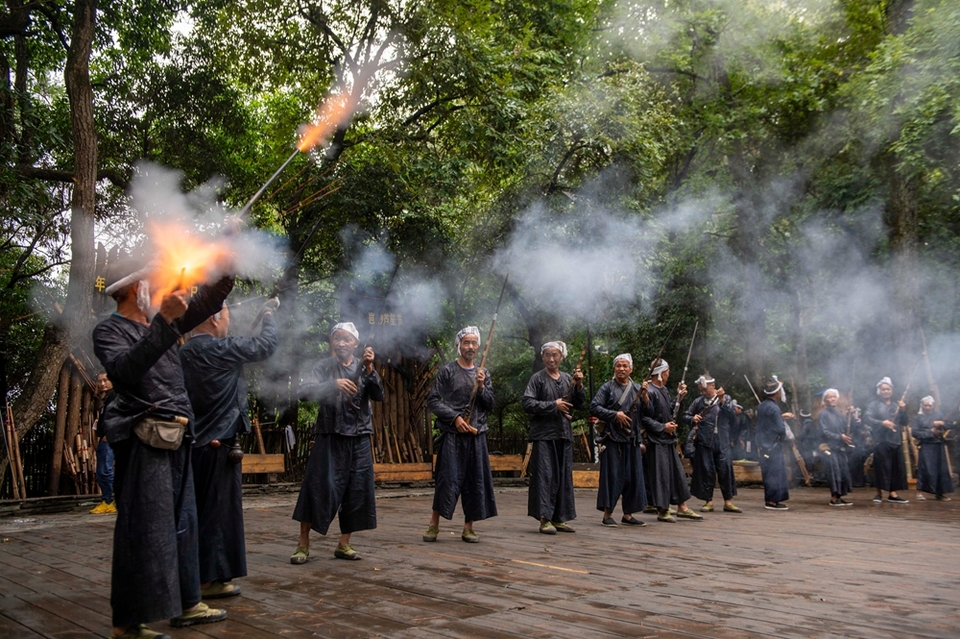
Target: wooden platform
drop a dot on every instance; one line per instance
(877, 571)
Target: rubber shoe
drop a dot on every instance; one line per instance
(346, 551)
(689, 514)
(102, 509)
(732, 508)
(707, 507)
(633, 521)
(878, 499)
(609, 522)
(140, 632)
(432, 533)
(112, 507)
(898, 500)
(547, 528)
(667, 518)
(777, 506)
(201, 613)
(219, 590)
(469, 536)
(650, 510)
(563, 527)
(300, 555)
(943, 498)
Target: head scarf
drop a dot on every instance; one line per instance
(348, 327)
(557, 344)
(823, 398)
(773, 387)
(468, 330)
(885, 380)
(928, 398)
(626, 356)
(703, 380)
(660, 369)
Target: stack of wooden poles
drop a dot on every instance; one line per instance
(400, 431)
(74, 445)
(12, 441)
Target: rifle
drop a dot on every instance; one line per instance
(853, 377)
(904, 432)
(793, 442)
(683, 377)
(483, 360)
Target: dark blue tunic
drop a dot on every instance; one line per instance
(933, 474)
(338, 480)
(665, 479)
(155, 572)
(551, 461)
(463, 461)
(833, 426)
(621, 462)
(771, 432)
(711, 457)
(213, 372)
(889, 472)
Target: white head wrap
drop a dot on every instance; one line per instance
(468, 330)
(661, 368)
(829, 391)
(885, 380)
(778, 389)
(557, 344)
(929, 399)
(348, 327)
(703, 380)
(626, 356)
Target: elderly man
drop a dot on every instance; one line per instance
(709, 417)
(155, 562)
(772, 431)
(933, 471)
(461, 395)
(886, 419)
(621, 462)
(339, 476)
(549, 398)
(213, 372)
(835, 443)
(667, 482)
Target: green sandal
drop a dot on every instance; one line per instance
(300, 555)
(346, 552)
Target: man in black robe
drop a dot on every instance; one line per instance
(933, 474)
(155, 562)
(461, 395)
(709, 417)
(338, 481)
(886, 420)
(549, 398)
(835, 442)
(665, 478)
(771, 433)
(213, 373)
(621, 462)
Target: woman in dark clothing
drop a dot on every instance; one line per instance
(933, 473)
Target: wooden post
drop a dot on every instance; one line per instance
(73, 421)
(63, 396)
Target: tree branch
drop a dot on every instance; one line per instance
(57, 175)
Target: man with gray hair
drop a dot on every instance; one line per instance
(621, 462)
(550, 397)
(338, 481)
(886, 419)
(461, 395)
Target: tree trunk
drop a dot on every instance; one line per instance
(60, 428)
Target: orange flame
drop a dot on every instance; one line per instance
(185, 259)
(332, 113)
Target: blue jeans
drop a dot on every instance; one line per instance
(105, 470)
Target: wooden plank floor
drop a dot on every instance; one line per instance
(869, 571)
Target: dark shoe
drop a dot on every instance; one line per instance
(897, 500)
(547, 528)
(219, 590)
(431, 534)
(878, 499)
(844, 502)
(609, 522)
(732, 508)
(300, 555)
(140, 632)
(689, 514)
(836, 502)
(776, 506)
(201, 613)
(942, 498)
(633, 521)
(469, 536)
(346, 552)
(707, 507)
(563, 527)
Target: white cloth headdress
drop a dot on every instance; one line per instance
(703, 380)
(659, 369)
(557, 344)
(885, 380)
(929, 399)
(823, 398)
(468, 330)
(626, 356)
(348, 327)
(777, 389)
